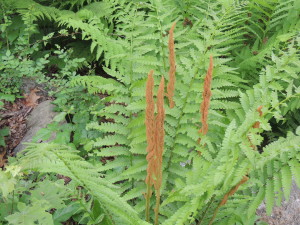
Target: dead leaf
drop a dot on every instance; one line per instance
(31, 99)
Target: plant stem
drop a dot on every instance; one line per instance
(215, 214)
(12, 203)
(148, 196)
(157, 204)
(283, 101)
(204, 213)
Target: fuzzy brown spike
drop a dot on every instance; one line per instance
(172, 71)
(160, 133)
(159, 144)
(206, 97)
(155, 139)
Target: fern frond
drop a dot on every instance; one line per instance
(51, 158)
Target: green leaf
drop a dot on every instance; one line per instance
(62, 215)
(3, 132)
(286, 181)
(7, 97)
(256, 202)
(7, 183)
(270, 197)
(52, 192)
(60, 117)
(43, 134)
(31, 214)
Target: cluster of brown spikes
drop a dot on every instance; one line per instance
(155, 139)
(155, 127)
(155, 131)
(155, 123)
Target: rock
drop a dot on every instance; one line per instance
(39, 118)
(30, 83)
(287, 214)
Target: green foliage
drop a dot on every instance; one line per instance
(16, 65)
(3, 132)
(64, 160)
(255, 46)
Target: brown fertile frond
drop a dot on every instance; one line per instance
(159, 144)
(150, 126)
(206, 97)
(155, 139)
(225, 198)
(172, 71)
(233, 190)
(159, 134)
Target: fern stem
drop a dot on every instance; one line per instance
(131, 76)
(12, 202)
(172, 70)
(226, 196)
(206, 210)
(283, 101)
(215, 214)
(157, 204)
(161, 43)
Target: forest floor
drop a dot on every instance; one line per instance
(14, 116)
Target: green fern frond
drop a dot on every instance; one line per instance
(51, 158)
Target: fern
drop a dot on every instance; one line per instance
(251, 82)
(64, 160)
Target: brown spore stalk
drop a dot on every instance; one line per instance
(172, 70)
(155, 139)
(159, 144)
(206, 95)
